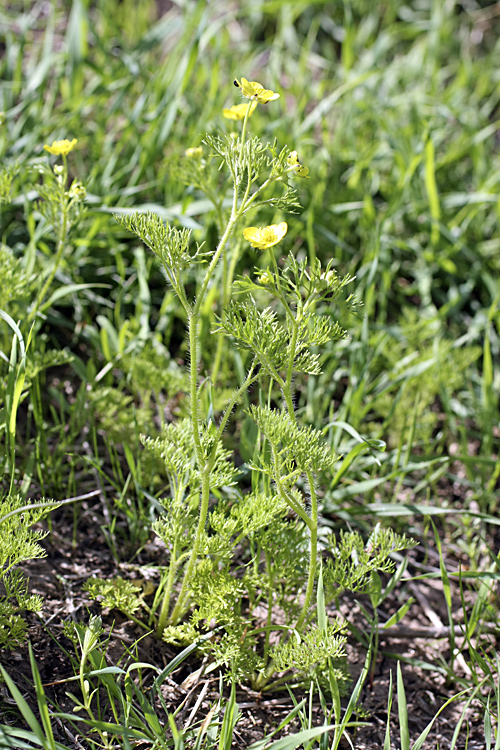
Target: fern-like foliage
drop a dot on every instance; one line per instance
(7, 175)
(176, 449)
(170, 245)
(19, 543)
(53, 197)
(176, 527)
(253, 155)
(38, 361)
(113, 412)
(302, 284)
(246, 515)
(298, 449)
(115, 593)
(14, 283)
(352, 560)
(261, 332)
(311, 650)
(151, 370)
(258, 331)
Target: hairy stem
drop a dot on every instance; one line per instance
(313, 552)
(269, 621)
(188, 573)
(165, 606)
(244, 128)
(204, 465)
(61, 244)
(313, 518)
(250, 378)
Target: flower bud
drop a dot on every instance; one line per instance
(265, 278)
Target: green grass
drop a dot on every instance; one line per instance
(395, 109)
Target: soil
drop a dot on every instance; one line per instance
(422, 637)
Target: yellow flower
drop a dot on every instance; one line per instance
(194, 153)
(61, 148)
(238, 112)
(293, 161)
(264, 237)
(256, 91)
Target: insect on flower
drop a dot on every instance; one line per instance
(256, 91)
(299, 169)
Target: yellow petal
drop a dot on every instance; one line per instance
(255, 90)
(238, 111)
(264, 237)
(61, 148)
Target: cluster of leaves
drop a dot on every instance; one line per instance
(20, 543)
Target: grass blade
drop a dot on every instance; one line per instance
(404, 733)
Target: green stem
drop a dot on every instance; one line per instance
(193, 384)
(162, 619)
(269, 608)
(188, 573)
(264, 185)
(290, 501)
(313, 518)
(250, 378)
(204, 465)
(313, 552)
(244, 128)
(87, 699)
(289, 371)
(61, 244)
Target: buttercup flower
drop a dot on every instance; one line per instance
(264, 237)
(193, 153)
(256, 91)
(238, 111)
(293, 161)
(61, 148)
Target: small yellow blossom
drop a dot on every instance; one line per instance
(299, 169)
(264, 237)
(238, 111)
(256, 91)
(194, 153)
(61, 148)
